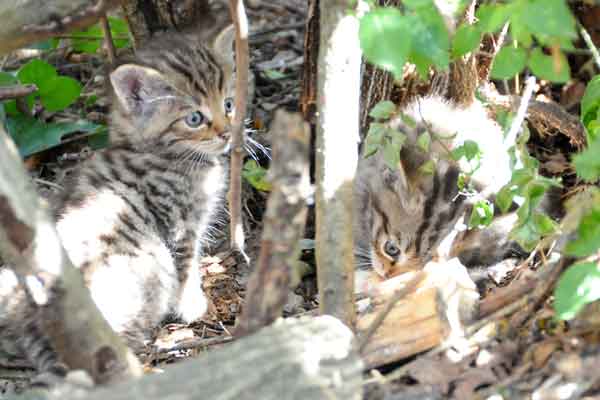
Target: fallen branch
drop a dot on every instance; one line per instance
(304, 358)
(238, 15)
(283, 223)
(108, 44)
(29, 21)
(30, 245)
(16, 91)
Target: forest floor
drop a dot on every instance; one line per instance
(530, 354)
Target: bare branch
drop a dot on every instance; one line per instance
(238, 15)
(108, 44)
(283, 223)
(16, 91)
(31, 246)
(29, 21)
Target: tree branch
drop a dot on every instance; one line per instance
(16, 91)
(238, 15)
(296, 359)
(29, 21)
(336, 157)
(29, 243)
(283, 223)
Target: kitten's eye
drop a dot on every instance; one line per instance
(194, 119)
(391, 249)
(229, 104)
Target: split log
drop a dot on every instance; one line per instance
(30, 244)
(433, 313)
(305, 358)
(28, 21)
(283, 223)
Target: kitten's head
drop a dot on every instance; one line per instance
(388, 218)
(177, 94)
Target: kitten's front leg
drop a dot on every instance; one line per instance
(191, 301)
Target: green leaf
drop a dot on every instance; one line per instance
(469, 150)
(256, 176)
(32, 135)
(383, 110)
(525, 235)
(7, 79)
(548, 19)
(482, 214)
(430, 41)
(273, 74)
(465, 40)
(491, 17)
(504, 198)
(577, 286)
(587, 163)
(590, 102)
(544, 225)
(588, 236)
(118, 28)
(428, 167)
(391, 154)
(60, 93)
(38, 72)
(424, 141)
(90, 39)
(552, 68)
(385, 39)
(508, 62)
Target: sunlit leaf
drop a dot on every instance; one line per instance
(508, 62)
(466, 39)
(577, 286)
(553, 68)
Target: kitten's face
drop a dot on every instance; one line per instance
(179, 95)
(388, 223)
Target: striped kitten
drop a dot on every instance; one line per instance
(136, 214)
(404, 217)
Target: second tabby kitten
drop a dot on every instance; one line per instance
(404, 216)
(135, 215)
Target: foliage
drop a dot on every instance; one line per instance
(90, 39)
(540, 30)
(256, 176)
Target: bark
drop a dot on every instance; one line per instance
(30, 245)
(336, 157)
(305, 358)
(148, 17)
(238, 15)
(308, 100)
(28, 21)
(283, 223)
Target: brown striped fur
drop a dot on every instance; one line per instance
(135, 215)
(405, 217)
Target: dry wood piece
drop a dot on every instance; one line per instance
(433, 313)
(238, 15)
(28, 21)
(16, 91)
(283, 223)
(30, 244)
(336, 157)
(308, 100)
(305, 358)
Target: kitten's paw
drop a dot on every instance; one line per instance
(192, 303)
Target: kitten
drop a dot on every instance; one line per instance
(135, 215)
(404, 217)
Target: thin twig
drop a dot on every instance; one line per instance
(197, 343)
(396, 296)
(16, 91)
(522, 111)
(238, 15)
(590, 44)
(108, 45)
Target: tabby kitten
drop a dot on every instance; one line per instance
(136, 214)
(404, 217)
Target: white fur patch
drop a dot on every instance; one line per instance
(192, 304)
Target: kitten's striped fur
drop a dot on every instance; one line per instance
(135, 215)
(404, 217)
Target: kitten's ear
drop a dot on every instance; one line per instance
(223, 43)
(136, 86)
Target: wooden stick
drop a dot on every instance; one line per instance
(108, 45)
(238, 15)
(16, 91)
(283, 224)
